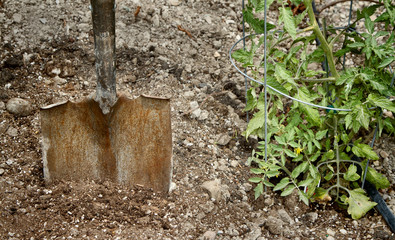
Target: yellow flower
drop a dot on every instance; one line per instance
(298, 150)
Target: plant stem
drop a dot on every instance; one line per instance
(337, 158)
(329, 79)
(325, 46)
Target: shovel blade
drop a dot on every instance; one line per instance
(130, 145)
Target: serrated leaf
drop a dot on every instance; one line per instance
(303, 197)
(358, 203)
(328, 155)
(258, 121)
(290, 153)
(361, 114)
(328, 176)
(251, 99)
(288, 190)
(258, 190)
(257, 170)
(369, 24)
(386, 62)
(321, 134)
(243, 56)
(351, 174)
(305, 182)
(365, 151)
(256, 24)
(378, 179)
(255, 179)
(271, 81)
(348, 120)
(289, 23)
(299, 169)
(267, 183)
(381, 101)
(272, 173)
(259, 5)
(282, 184)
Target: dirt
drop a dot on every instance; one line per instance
(46, 56)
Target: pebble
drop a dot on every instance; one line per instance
(285, 216)
(189, 94)
(384, 154)
(312, 216)
(174, 2)
(223, 139)
(330, 232)
(13, 132)
(343, 231)
(2, 105)
(217, 54)
(274, 225)
(234, 163)
(1, 171)
(19, 107)
(214, 188)
(330, 238)
(209, 235)
(203, 115)
(17, 17)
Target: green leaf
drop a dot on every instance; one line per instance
(257, 170)
(358, 203)
(299, 169)
(361, 114)
(351, 174)
(258, 121)
(322, 194)
(267, 183)
(282, 184)
(256, 24)
(251, 99)
(321, 134)
(365, 151)
(270, 174)
(378, 179)
(369, 24)
(386, 62)
(305, 182)
(271, 81)
(290, 153)
(348, 120)
(258, 190)
(381, 101)
(259, 5)
(328, 176)
(243, 56)
(328, 156)
(286, 16)
(255, 179)
(288, 190)
(303, 197)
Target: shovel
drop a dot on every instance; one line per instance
(108, 137)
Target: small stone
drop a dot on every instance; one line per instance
(155, 20)
(217, 54)
(19, 107)
(214, 188)
(234, 163)
(384, 154)
(209, 235)
(174, 2)
(189, 94)
(285, 216)
(17, 17)
(60, 81)
(330, 232)
(330, 238)
(1, 171)
(172, 187)
(343, 231)
(9, 162)
(217, 44)
(13, 132)
(312, 216)
(2, 105)
(43, 20)
(208, 19)
(355, 223)
(203, 115)
(274, 225)
(223, 139)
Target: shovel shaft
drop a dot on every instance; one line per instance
(103, 17)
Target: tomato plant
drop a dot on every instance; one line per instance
(312, 150)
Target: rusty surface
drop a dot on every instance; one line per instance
(131, 145)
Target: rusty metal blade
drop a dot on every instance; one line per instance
(130, 145)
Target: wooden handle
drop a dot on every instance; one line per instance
(103, 17)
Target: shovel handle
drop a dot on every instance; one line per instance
(103, 17)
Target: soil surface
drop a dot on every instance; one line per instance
(46, 56)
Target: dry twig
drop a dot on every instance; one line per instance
(185, 31)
